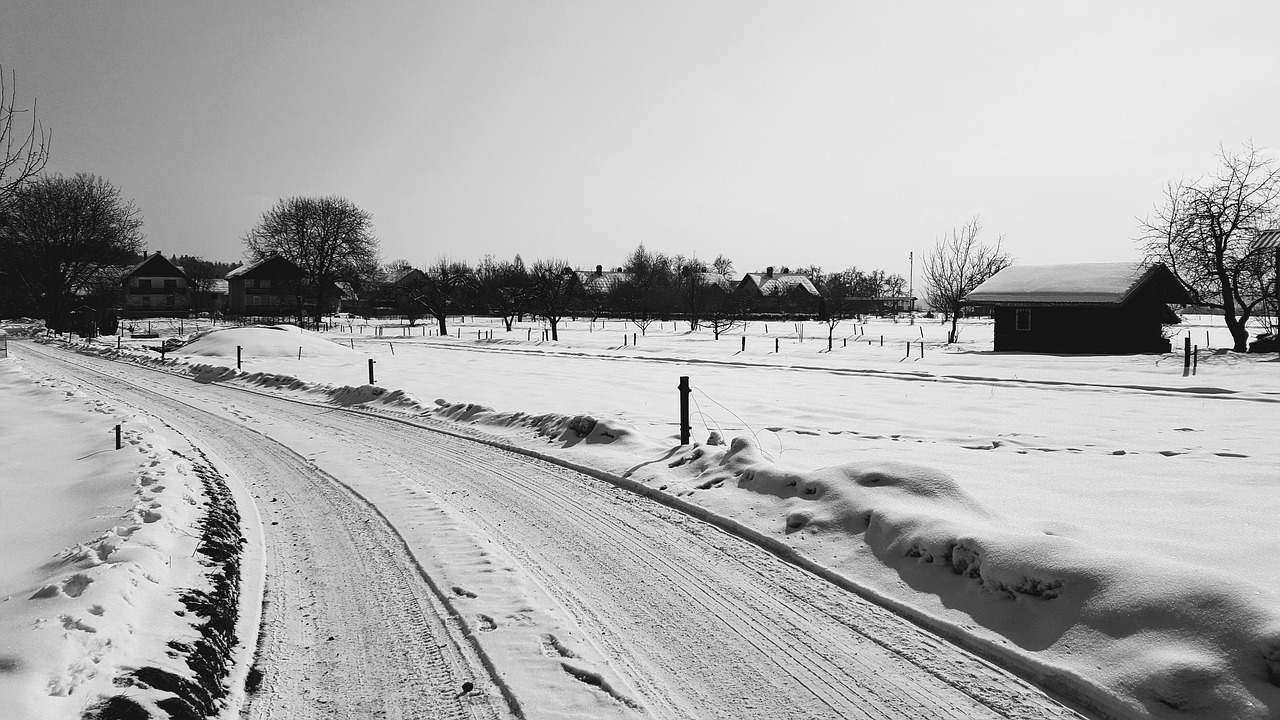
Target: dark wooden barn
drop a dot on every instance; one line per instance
(1103, 308)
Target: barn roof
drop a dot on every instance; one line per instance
(1076, 284)
(602, 281)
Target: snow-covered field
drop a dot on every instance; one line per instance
(1103, 522)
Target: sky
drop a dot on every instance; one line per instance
(815, 133)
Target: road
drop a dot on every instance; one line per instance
(402, 563)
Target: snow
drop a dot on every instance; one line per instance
(1103, 523)
(95, 542)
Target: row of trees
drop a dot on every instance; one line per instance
(648, 287)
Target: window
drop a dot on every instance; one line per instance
(144, 283)
(168, 300)
(170, 284)
(264, 284)
(146, 300)
(1021, 320)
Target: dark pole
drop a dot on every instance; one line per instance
(684, 409)
(118, 444)
(1186, 356)
(237, 357)
(370, 371)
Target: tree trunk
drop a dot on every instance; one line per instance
(831, 329)
(444, 330)
(1239, 333)
(955, 321)
(507, 320)
(554, 334)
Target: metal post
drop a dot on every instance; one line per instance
(684, 410)
(371, 371)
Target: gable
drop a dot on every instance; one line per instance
(155, 266)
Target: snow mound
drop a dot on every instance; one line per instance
(263, 341)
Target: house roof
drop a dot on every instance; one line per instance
(602, 282)
(156, 265)
(1076, 284)
(1267, 239)
(272, 267)
(781, 283)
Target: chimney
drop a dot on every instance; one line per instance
(769, 271)
(599, 270)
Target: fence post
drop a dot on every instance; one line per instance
(1195, 358)
(908, 348)
(237, 357)
(684, 409)
(744, 343)
(633, 338)
(370, 371)
(921, 349)
(775, 345)
(1186, 355)
(118, 442)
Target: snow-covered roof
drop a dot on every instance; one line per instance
(1108, 283)
(781, 283)
(602, 281)
(156, 265)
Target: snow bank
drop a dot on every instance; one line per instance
(262, 341)
(100, 567)
(1133, 635)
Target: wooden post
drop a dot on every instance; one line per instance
(237, 357)
(624, 339)
(684, 409)
(1186, 356)
(353, 343)
(921, 349)
(921, 331)
(744, 343)
(370, 371)
(1195, 358)
(881, 341)
(908, 348)
(633, 338)
(119, 335)
(119, 444)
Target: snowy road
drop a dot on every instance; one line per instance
(586, 599)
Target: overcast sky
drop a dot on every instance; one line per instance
(776, 133)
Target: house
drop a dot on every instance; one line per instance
(601, 282)
(269, 287)
(1118, 307)
(783, 293)
(155, 287)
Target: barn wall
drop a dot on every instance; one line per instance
(1132, 328)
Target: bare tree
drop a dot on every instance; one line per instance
(440, 289)
(1203, 232)
(838, 291)
(552, 285)
(329, 238)
(23, 153)
(957, 265)
(502, 287)
(61, 234)
(642, 297)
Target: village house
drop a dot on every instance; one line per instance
(1118, 307)
(268, 287)
(155, 287)
(778, 293)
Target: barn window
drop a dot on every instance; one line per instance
(170, 284)
(1022, 320)
(144, 283)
